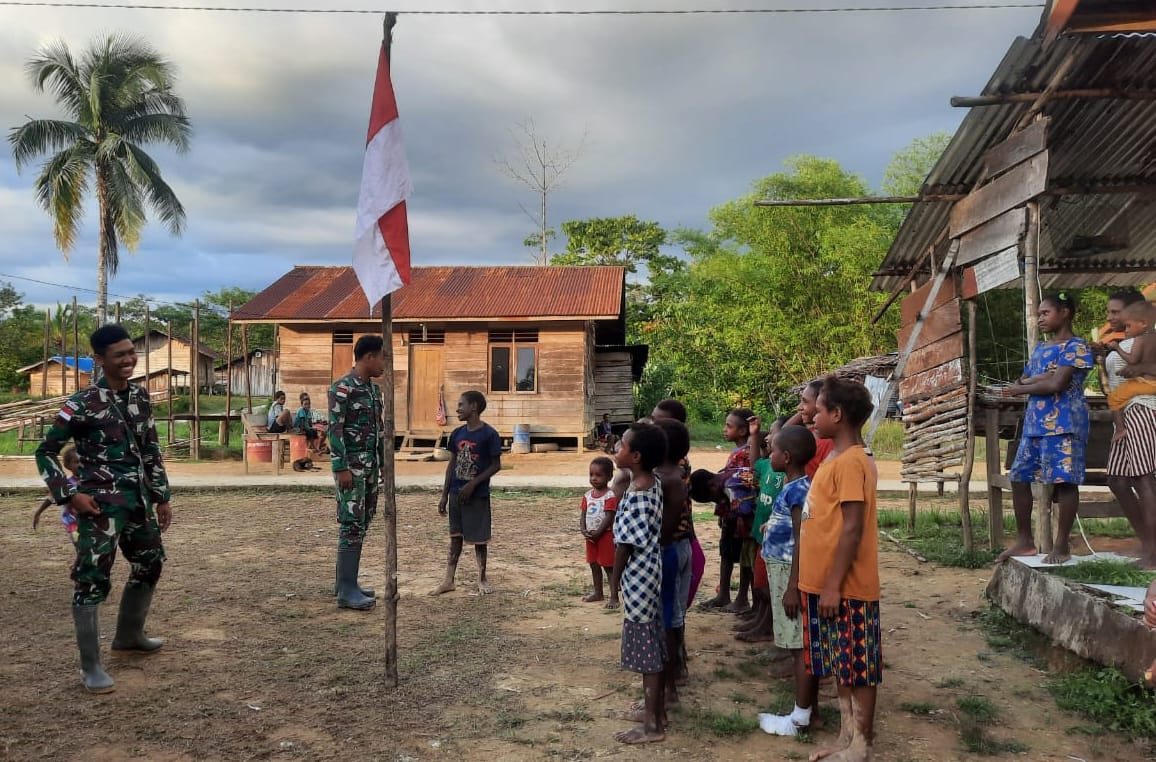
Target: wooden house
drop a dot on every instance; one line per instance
(546, 345)
(58, 376)
(261, 380)
(155, 345)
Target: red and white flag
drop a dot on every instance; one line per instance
(381, 240)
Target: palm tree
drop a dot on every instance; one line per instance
(117, 97)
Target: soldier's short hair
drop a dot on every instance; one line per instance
(476, 398)
(367, 345)
(105, 336)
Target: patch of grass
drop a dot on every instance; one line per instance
(741, 698)
(938, 536)
(950, 682)
(977, 741)
(707, 434)
(722, 673)
(1086, 730)
(1007, 634)
(977, 708)
(569, 716)
(999, 642)
(917, 707)
(1107, 527)
(750, 668)
(1106, 572)
(888, 442)
(910, 605)
(1106, 696)
(704, 722)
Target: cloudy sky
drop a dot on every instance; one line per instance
(681, 112)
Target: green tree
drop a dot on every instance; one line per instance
(909, 167)
(117, 97)
(21, 336)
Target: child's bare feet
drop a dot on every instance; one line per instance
(858, 751)
(444, 587)
(638, 735)
(715, 603)
(737, 607)
(592, 597)
(1019, 549)
(1060, 554)
(484, 587)
(612, 603)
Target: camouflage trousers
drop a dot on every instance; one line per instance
(134, 528)
(357, 506)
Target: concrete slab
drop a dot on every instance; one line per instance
(1074, 618)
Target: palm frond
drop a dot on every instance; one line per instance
(61, 188)
(124, 204)
(158, 128)
(147, 176)
(41, 136)
(53, 68)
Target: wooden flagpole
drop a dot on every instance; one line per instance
(388, 494)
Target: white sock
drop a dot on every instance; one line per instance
(801, 717)
(778, 725)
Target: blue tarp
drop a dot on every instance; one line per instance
(85, 362)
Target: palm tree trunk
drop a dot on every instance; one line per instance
(106, 252)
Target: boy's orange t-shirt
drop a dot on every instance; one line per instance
(848, 477)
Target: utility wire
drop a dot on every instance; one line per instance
(142, 297)
(598, 12)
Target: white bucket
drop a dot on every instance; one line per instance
(521, 442)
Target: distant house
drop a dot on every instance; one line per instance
(155, 345)
(262, 367)
(57, 377)
(545, 344)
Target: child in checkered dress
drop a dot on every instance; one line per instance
(839, 569)
(638, 574)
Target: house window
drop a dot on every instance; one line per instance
(340, 337)
(427, 336)
(514, 361)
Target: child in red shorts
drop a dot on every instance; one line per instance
(598, 506)
(839, 568)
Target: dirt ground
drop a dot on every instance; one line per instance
(259, 663)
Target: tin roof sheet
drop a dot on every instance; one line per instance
(308, 293)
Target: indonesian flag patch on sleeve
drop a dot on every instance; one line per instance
(68, 409)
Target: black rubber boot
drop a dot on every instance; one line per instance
(368, 592)
(134, 609)
(92, 674)
(349, 595)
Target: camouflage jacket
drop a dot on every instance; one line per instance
(355, 435)
(114, 458)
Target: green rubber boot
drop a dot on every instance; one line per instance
(368, 592)
(92, 674)
(134, 609)
(349, 595)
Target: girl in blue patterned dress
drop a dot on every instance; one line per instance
(1055, 431)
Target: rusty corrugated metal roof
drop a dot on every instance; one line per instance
(1103, 141)
(445, 293)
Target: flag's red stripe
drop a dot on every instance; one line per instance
(384, 109)
(394, 227)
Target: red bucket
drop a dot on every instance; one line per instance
(259, 450)
(298, 447)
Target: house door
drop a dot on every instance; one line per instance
(425, 380)
(342, 359)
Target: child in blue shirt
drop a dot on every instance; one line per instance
(791, 449)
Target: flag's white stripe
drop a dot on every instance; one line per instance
(385, 179)
(374, 266)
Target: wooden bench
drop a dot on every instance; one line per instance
(257, 429)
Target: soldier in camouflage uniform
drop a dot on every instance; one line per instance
(122, 497)
(355, 439)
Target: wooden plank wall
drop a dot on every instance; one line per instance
(55, 387)
(613, 387)
(557, 408)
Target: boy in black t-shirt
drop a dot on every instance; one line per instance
(475, 456)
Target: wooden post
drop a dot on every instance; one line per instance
(47, 340)
(248, 378)
(1041, 514)
(912, 495)
(169, 343)
(118, 313)
(228, 375)
(994, 469)
(195, 384)
(969, 452)
(388, 481)
(63, 353)
(75, 348)
(148, 349)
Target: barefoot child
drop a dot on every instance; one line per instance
(71, 462)
(596, 521)
(475, 456)
(675, 551)
(730, 545)
(671, 408)
(758, 627)
(791, 450)
(839, 569)
(638, 575)
(1138, 326)
(1055, 430)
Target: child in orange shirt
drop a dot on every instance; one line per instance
(596, 522)
(839, 568)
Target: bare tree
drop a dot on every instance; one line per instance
(540, 168)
